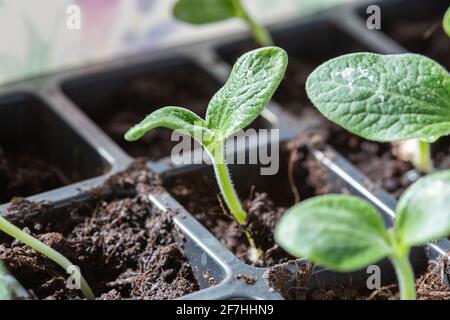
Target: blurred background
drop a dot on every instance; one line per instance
(36, 39)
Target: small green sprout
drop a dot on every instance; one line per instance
(5, 293)
(209, 11)
(252, 83)
(42, 248)
(385, 98)
(446, 22)
(345, 233)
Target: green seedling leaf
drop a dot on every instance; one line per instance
(174, 118)
(204, 11)
(253, 81)
(384, 97)
(5, 293)
(423, 212)
(341, 232)
(446, 22)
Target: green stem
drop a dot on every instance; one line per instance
(226, 186)
(405, 274)
(39, 246)
(422, 160)
(259, 32)
(216, 152)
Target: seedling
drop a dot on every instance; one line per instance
(42, 248)
(252, 82)
(209, 11)
(385, 98)
(345, 233)
(446, 22)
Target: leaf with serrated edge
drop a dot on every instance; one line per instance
(204, 11)
(384, 97)
(174, 118)
(423, 211)
(253, 80)
(340, 232)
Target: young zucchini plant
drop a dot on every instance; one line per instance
(10, 229)
(208, 11)
(385, 98)
(252, 82)
(345, 233)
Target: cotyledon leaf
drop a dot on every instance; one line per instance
(252, 82)
(340, 232)
(175, 118)
(204, 11)
(384, 97)
(423, 211)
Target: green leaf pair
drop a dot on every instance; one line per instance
(253, 80)
(346, 233)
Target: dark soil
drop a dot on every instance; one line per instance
(426, 37)
(378, 160)
(265, 199)
(124, 248)
(140, 96)
(23, 174)
(429, 284)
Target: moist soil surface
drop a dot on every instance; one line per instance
(25, 173)
(124, 248)
(426, 37)
(199, 195)
(429, 284)
(141, 96)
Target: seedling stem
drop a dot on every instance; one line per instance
(259, 32)
(216, 151)
(403, 270)
(422, 160)
(42, 248)
(225, 184)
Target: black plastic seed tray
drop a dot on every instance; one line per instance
(66, 116)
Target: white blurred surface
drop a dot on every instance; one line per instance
(35, 38)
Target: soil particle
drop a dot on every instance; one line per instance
(247, 279)
(209, 279)
(125, 249)
(24, 174)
